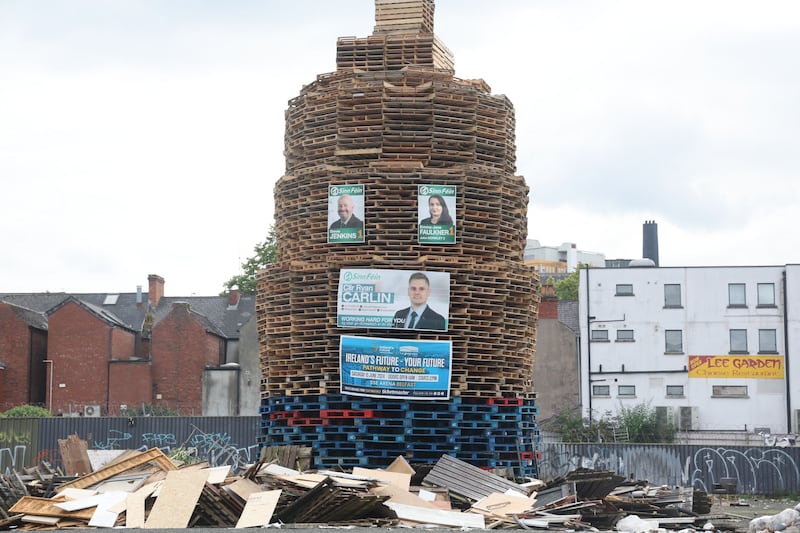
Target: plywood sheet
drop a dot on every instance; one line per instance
(177, 499)
(134, 513)
(259, 508)
(398, 479)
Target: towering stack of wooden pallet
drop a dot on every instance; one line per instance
(393, 117)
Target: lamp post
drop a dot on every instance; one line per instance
(50, 394)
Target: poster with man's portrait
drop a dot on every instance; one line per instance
(436, 212)
(398, 299)
(346, 214)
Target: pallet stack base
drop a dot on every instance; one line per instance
(348, 431)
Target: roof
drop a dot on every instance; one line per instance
(98, 311)
(222, 319)
(568, 315)
(35, 319)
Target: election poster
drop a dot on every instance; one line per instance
(402, 299)
(346, 213)
(436, 212)
(395, 368)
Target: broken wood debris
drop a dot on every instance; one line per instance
(145, 489)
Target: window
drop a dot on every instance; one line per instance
(766, 295)
(600, 335)
(738, 341)
(624, 335)
(736, 295)
(729, 391)
(675, 391)
(672, 295)
(673, 341)
(624, 289)
(626, 390)
(767, 341)
(601, 390)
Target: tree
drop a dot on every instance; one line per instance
(567, 288)
(265, 254)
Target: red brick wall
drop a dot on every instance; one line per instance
(123, 344)
(181, 348)
(15, 350)
(130, 383)
(548, 308)
(79, 345)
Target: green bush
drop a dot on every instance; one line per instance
(640, 420)
(26, 411)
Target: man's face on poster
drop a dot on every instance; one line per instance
(345, 208)
(418, 292)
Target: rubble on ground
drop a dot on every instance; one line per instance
(146, 489)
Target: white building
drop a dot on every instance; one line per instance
(567, 255)
(709, 346)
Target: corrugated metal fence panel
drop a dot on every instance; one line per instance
(19, 439)
(757, 469)
(219, 440)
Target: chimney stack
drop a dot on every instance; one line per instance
(650, 241)
(156, 289)
(233, 298)
(139, 296)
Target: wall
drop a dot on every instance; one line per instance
(15, 351)
(181, 349)
(78, 344)
(555, 368)
(220, 391)
(250, 377)
(130, 383)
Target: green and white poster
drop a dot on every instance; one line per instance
(346, 213)
(437, 214)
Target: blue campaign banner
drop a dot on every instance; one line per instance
(395, 368)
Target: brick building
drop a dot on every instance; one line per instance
(100, 353)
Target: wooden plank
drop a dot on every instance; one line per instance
(74, 456)
(177, 499)
(47, 507)
(259, 509)
(153, 455)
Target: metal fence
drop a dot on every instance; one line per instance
(759, 469)
(219, 440)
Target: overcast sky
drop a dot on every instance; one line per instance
(145, 136)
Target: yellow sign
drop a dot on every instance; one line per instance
(736, 366)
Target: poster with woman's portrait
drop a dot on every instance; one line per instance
(436, 210)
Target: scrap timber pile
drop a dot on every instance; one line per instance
(147, 490)
(392, 118)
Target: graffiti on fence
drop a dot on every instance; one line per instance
(218, 449)
(639, 462)
(12, 458)
(13, 436)
(165, 441)
(114, 441)
(756, 470)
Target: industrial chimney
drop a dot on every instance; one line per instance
(650, 241)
